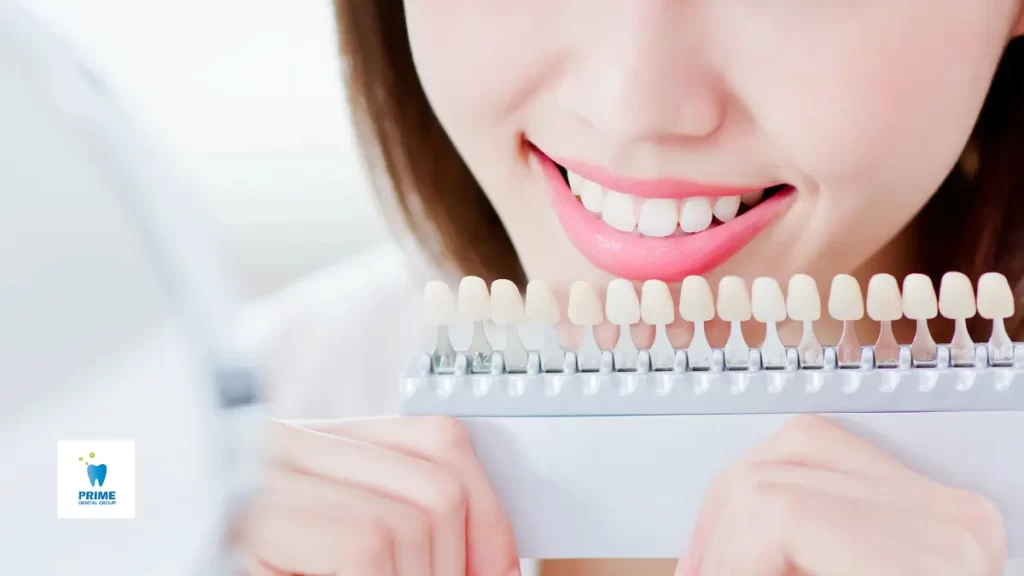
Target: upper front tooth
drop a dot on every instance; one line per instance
(726, 207)
(618, 211)
(575, 182)
(695, 214)
(592, 196)
(658, 217)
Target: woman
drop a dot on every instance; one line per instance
(888, 135)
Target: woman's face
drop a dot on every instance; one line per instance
(667, 112)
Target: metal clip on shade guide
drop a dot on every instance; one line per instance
(848, 352)
(812, 353)
(887, 349)
(663, 356)
(923, 350)
(957, 303)
(737, 353)
(1000, 346)
(442, 360)
(479, 350)
(961, 349)
(698, 353)
(734, 306)
(515, 352)
(552, 356)
(588, 354)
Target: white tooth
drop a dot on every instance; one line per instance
(884, 301)
(695, 214)
(956, 296)
(733, 299)
(506, 303)
(658, 217)
(592, 196)
(618, 211)
(438, 304)
(845, 301)
(541, 306)
(584, 305)
(656, 303)
(803, 303)
(575, 182)
(474, 301)
(695, 301)
(726, 208)
(995, 299)
(919, 301)
(752, 198)
(767, 301)
(621, 305)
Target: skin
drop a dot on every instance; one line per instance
(864, 106)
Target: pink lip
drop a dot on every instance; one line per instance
(668, 259)
(660, 188)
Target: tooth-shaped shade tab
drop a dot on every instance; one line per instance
(919, 301)
(656, 303)
(803, 303)
(506, 304)
(585, 305)
(845, 301)
(733, 299)
(884, 301)
(956, 296)
(438, 304)
(474, 301)
(995, 298)
(696, 304)
(621, 303)
(541, 305)
(767, 301)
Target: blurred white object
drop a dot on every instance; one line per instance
(250, 94)
(114, 325)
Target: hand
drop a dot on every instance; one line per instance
(377, 497)
(818, 500)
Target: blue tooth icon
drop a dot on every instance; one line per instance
(97, 474)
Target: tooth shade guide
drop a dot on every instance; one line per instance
(611, 341)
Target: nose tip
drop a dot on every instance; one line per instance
(647, 101)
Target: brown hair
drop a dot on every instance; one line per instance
(967, 226)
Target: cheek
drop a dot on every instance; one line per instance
(881, 102)
(479, 62)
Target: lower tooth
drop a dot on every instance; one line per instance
(752, 198)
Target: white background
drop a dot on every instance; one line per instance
(248, 93)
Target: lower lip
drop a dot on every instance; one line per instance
(632, 257)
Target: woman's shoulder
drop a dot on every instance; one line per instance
(334, 343)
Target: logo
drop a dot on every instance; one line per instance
(95, 479)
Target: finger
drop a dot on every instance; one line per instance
(491, 545)
(407, 525)
(304, 543)
(249, 565)
(438, 493)
(795, 531)
(817, 442)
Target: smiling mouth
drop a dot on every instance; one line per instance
(662, 217)
(657, 229)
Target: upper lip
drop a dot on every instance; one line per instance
(655, 187)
